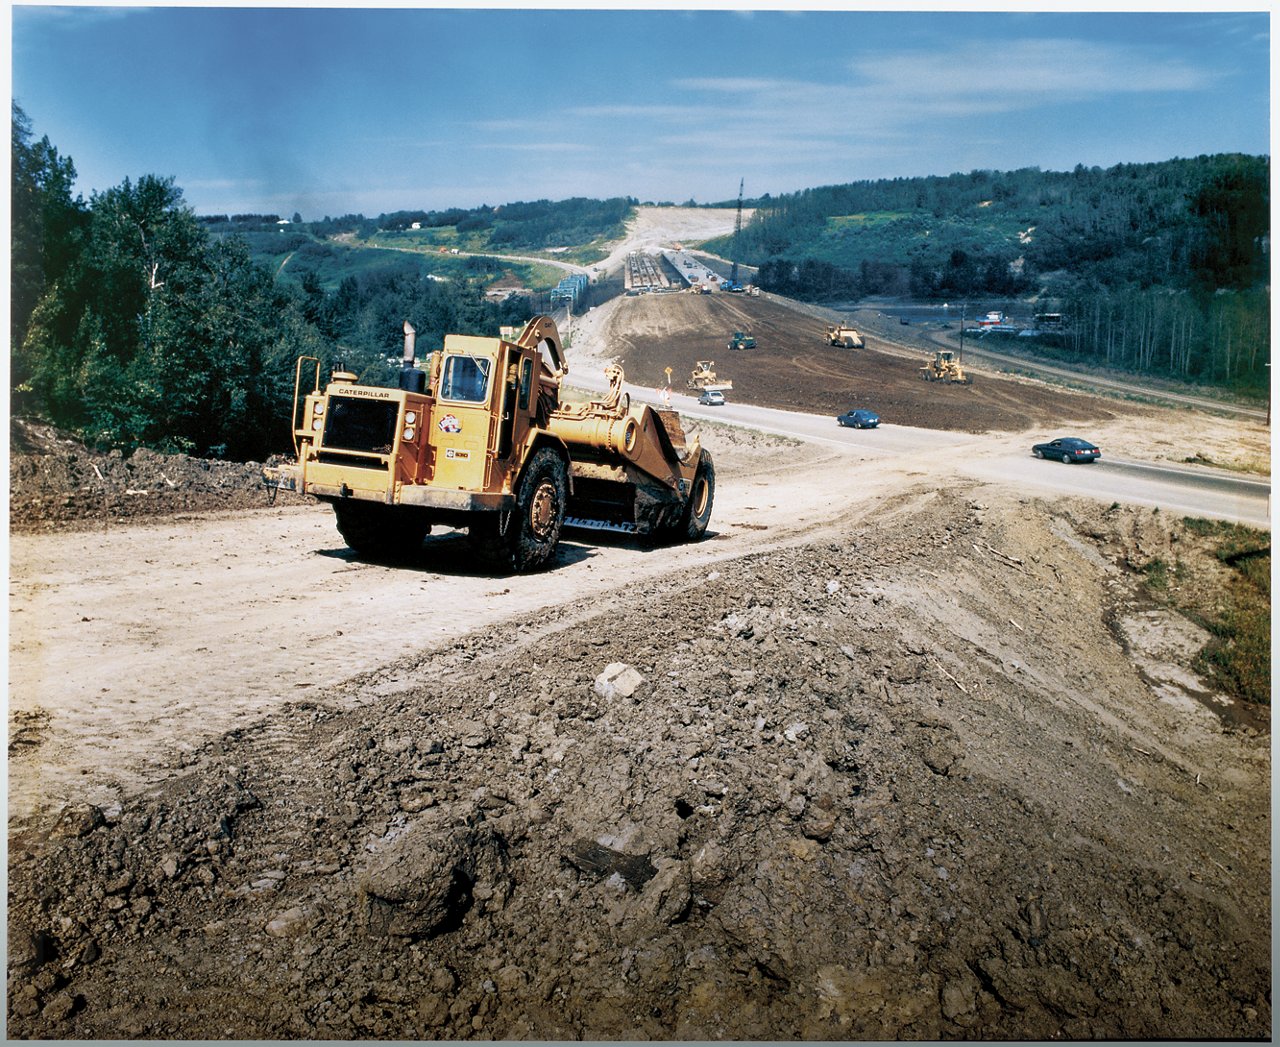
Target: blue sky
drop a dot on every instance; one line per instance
(327, 111)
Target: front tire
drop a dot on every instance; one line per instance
(1039, 454)
(381, 532)
(525, 538)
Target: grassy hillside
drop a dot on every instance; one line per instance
(295, 256)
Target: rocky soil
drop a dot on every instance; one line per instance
(866, 787)
(56, 482)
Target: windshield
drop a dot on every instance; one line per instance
(465, 378)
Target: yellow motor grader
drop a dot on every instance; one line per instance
(945, 368)
(481, 439)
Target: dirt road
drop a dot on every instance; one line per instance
(118, 661)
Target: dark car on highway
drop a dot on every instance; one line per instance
(859, 419)
(1068, 449)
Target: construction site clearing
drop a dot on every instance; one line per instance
(797, 369)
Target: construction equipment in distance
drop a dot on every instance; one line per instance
(482, 440)
(945, 368)
(839, 334)
(742, 340)
(703, 376)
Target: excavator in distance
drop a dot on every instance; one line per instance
(481, 439)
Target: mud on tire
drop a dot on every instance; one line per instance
(525, 538)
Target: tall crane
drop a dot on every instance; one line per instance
(737, 233)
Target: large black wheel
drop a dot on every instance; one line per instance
(691, 525)
(1066, 459)
(381, 532)
(525, 538)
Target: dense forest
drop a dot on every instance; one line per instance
(133, 324)
(1160, 267)
(136, 322)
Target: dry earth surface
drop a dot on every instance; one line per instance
(890, 755)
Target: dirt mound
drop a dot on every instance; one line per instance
(57, 483)
(852, 789)
(792, 368)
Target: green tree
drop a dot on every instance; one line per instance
(46, 229)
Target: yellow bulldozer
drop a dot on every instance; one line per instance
(944, 367)
(839, 334)
(481, 439)
(703, 376)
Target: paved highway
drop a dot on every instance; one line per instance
(1186, 491)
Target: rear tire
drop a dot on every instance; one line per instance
(525, 538)
(1066, 459)
(696, 515)
(381, 532)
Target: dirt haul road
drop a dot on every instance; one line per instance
(839, 771)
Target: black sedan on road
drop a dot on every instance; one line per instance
(859, 419)
(1068, 449)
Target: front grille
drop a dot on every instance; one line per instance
(358, 461)
(353, 424)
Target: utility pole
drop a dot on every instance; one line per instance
(737, 233)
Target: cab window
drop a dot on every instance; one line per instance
(526, 379)
(466, 378)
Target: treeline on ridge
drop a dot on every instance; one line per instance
(532, 225)
(133, 325)
(1159, 267)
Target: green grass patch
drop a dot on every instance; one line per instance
(1250, 466)
(866, 220)
(1238, 657)
(1156, 574)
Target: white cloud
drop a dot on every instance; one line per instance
(1020, 73)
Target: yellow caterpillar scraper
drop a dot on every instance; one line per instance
(482, 440)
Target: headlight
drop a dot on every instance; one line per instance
(316, 425)
(408, 432)
(409, 418)
(317, 407)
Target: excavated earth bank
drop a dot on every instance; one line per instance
(909, 781)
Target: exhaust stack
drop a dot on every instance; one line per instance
(412, 378)
(410, 339)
